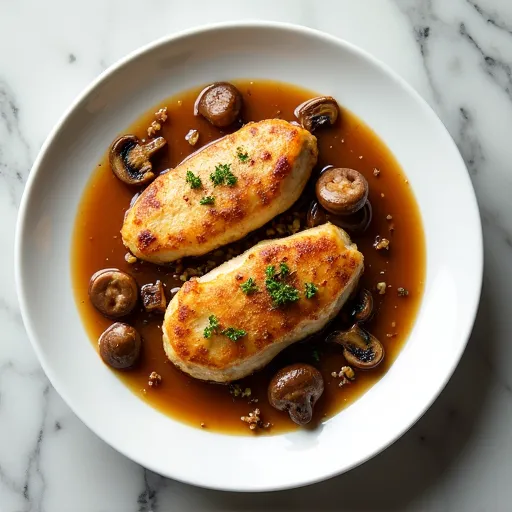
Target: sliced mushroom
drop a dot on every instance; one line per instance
(120, 346)
(296, 389)
(153, 297)
(113, 292)
(342, 191)
(360, 348)
(362, 310)
(356, 223)
(220, 103)
(130, 159)
(316, 112)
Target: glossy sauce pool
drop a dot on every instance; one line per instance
(350, 143)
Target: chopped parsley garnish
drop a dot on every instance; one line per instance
(213, 326)
(316, 355)
(249, 286)
(311, 290)
(207, 200)
(280, 292)
(284, 270)
(193, 180)
(233, 334)
(242, 155)
(223, 175)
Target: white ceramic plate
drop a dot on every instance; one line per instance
(437, 175)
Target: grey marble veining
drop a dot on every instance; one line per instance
(458, 55)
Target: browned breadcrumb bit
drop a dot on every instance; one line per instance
(381, 243)
(402, 292)
(389, 217)
(381, 288)
(382, 194)
(253, 401)
(192, 137)
(348, 372)
(203, 425)
(154, 379)
(154, 127)
(254, 420)
(130, 258)
(180, 103)
(161, 115)
(235, 390)
(281, 229)
(391, 335)
(376, 171)
(391, 227)
(346, 375)
(393, 324)
(295, 226)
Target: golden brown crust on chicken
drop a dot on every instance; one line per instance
(168, 222)
(323, 255)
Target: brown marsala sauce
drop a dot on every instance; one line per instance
(350, 143)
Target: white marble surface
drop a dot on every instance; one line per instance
(458, 55)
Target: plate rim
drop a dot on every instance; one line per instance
(169, 39)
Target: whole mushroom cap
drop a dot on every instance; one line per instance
(296, 389)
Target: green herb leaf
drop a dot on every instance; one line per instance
(231, 179)
(311, 290)
(193, 180)
(249, 286)
(316, 355)
(242, 154)
(280, 292)
(270, 271)
(233, 334)
(213, 326)
(223, 175)
(284, 270)
(207, 200)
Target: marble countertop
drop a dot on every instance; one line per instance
(458, 55)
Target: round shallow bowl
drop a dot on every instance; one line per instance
(436, 173)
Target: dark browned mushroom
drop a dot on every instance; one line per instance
(360, 348)
(120, 346)
(356, 223)
(130, 159)
(342, 191)
(153, 297)
(316, 112)
(220, 103)
(362, 309)
(296, 389)
(113, 292)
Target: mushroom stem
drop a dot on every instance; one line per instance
(154, 145)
